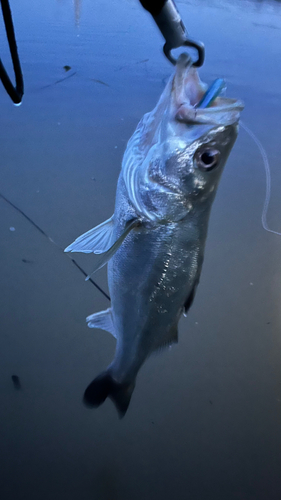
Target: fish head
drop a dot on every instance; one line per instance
(178, 151)
(195, 141)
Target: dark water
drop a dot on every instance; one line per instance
(204, 421)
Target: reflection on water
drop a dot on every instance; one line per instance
(77, 11)
(16, 382)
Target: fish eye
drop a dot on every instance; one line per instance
(207, 158)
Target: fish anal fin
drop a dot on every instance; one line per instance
(171, 337)
(97, 240)
(189, 301)
(190, 298)
(102, 320)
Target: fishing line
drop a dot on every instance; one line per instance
(267, 179)
(54, 243)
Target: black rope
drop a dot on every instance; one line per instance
(15, 92)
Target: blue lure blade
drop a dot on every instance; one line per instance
(212, 93)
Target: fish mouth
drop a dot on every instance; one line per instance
(194, 102)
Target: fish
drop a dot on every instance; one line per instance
(154, 242)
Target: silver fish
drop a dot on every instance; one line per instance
(155, 240)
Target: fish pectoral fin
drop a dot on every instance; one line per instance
(105, 257)
(102, 320)
(97, 240)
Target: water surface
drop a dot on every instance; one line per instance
(204, 421)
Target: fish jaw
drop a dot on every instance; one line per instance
(185, 122)
(187, 86)
(188, 132)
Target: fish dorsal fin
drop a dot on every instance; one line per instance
(105, 257)
(102, 320)
(97, 240)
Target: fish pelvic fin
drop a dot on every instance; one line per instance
(105, 257)
(97, 240)
(102, 320)
(105, 386)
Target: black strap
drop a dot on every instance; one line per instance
(153, 6)
(15, 92)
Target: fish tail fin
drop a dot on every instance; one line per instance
(105, 386)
